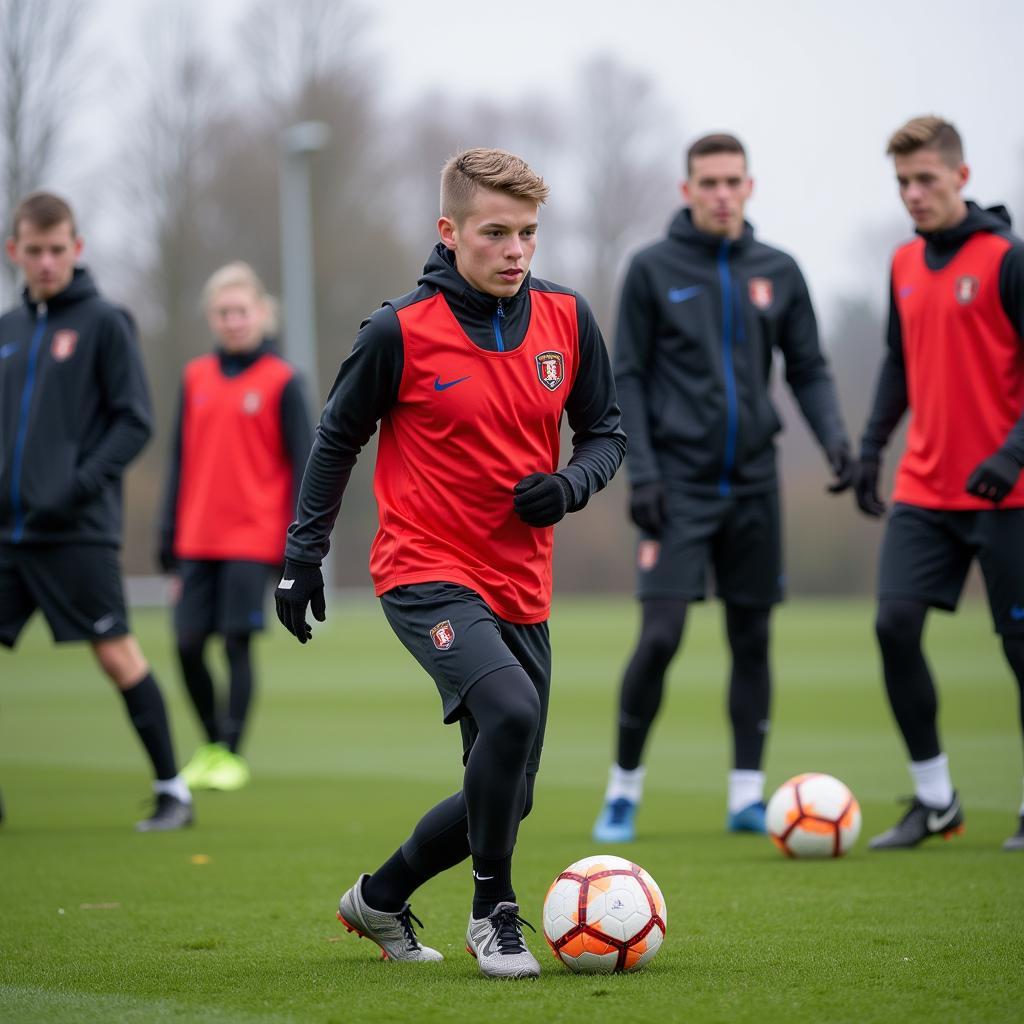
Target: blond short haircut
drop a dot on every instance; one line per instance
(240, 275)
(929, 132)
(474, 169)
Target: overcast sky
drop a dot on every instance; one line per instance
(814, 88)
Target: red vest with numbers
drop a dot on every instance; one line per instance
(235, 496)
(965, 372)
(468, 425)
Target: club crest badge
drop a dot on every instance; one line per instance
(647, 554)
(251, 403)
(443, 635)
(967, 289)
(551, 369)
(63, 345)
(761, 292)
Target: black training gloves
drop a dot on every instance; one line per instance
(994, 478)
(844, 467)
(647, 507)
(865, 487)
(301, 586)
(165, 556)
(542, 499)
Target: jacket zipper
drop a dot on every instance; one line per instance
(499, 315)
(20, 435)
(732, 418)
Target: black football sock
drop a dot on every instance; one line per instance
(643, 683)
(492, 884)
(146, 710)
(199, 684)
(750, 683)
(899, 626)
(391, 885)
(240, 689)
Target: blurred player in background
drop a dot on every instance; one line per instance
(701, 315)
(240, 445)
(74, 412)
(469, 376)
(954, 359)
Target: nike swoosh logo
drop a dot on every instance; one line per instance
(937, 822)
(482, 878)
(682, 294)
(438, 386)
(488, 946)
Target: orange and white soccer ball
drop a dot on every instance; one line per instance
(603, 915)
(813, 815)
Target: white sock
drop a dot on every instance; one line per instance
(176, 787)
(746, 787)
(932, 784)
(628, 784)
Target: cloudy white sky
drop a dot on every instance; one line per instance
(814, 87)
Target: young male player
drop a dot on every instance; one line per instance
(469, 376)
(74, 411)
(954, 359)
(701, 315)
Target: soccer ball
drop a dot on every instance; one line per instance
(603, 915)
(813, 815)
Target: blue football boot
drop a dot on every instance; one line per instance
(615, 824)
(748, 819)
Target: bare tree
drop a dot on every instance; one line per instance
(627, 176)
(39, 78)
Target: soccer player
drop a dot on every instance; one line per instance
(701, 316)
(74, 411)
(241, 442)
(469, 376)
(954, 359)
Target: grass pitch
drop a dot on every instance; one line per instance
(234, 920)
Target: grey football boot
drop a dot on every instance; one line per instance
(499, 947)
(393, 932)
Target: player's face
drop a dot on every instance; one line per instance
(930, 189)
(717, 190)
(237, 317)
(494, 245)
(46, 256)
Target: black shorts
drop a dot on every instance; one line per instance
(740, 537)
(221, 597)
(77, 586)
(458, 640)
(926, 555)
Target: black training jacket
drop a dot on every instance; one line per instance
(699, 320)
(369, 379)
(74, 411)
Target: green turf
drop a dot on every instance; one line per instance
(100, 924)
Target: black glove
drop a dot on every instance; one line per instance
(995, 477)
(865, 487)
(844, 466)
(541, 499)
(301, 586)
(647, 507)
(165, 556)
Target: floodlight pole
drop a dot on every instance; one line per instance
(298, 143)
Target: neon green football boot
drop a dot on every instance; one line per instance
(195, 773)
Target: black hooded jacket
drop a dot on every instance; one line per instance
(891, 401)
(74, 412)
(699, 320)
(367, 386)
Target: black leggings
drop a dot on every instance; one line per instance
(908, 681)
(223, 728)
(483, 817)
(643, 684)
